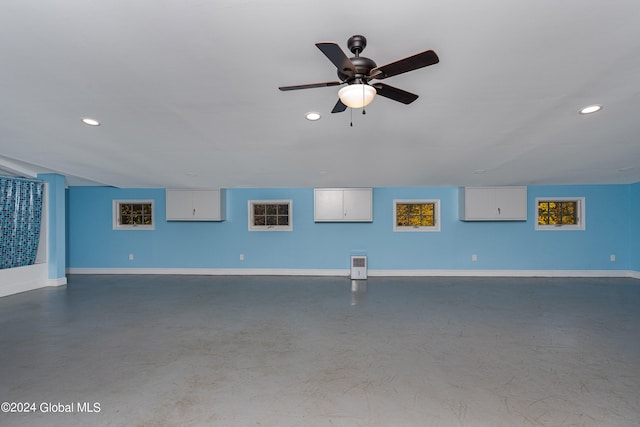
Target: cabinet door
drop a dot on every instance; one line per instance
(511, 203)
(480, 203)
(328, 205)
(179, 204)
(195, 205)
(206, 205)
(358, 204)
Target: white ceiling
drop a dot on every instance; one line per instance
(186, 91)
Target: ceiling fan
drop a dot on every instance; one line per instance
(358, 71)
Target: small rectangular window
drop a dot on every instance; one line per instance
(560, 213)
(270, 215)
(133, 215)
(416, 215)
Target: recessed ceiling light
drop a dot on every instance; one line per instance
(591, 109)
(312, 116)
(91, 122)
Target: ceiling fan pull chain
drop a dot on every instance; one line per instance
(363, 102)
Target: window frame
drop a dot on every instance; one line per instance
(253, 227)
(413, 228)
(117, 225)
(581, 212)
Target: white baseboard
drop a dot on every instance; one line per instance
(345, 272)
(57, 282)
(504, 273)
(214, 271)
(27, 278)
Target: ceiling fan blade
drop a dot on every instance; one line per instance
(395, 93)
(339, 107)
(309, 86)
(337, 57)
(410, 63)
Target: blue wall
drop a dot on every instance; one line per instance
(634, 227)
(92, 243)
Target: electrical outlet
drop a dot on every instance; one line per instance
(474, 257)
(612, 257)
(130, 257)
(241, 257)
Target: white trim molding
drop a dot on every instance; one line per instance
(634, 274)
(61, 281)
(215, 271)
(27, 278)
(504, 273)
(346, 272)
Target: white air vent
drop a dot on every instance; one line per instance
(358, 267)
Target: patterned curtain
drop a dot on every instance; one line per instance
(20, 209)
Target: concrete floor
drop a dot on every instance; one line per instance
(300, 351)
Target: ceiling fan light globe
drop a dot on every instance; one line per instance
(357, 95)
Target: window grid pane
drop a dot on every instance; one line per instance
(402, 215)
(428, 221)
(272, 220)
(283, 220)
(543, 213)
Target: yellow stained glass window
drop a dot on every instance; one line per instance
(558, 212)
(415, 214)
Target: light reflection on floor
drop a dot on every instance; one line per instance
(358, 291)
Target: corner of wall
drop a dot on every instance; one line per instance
(56, 225)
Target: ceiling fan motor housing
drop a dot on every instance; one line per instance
(363, 66)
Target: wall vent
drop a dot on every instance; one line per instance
(358, 267)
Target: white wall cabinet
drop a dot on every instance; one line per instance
(343, 204)
(493, 203)
(196, 205)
